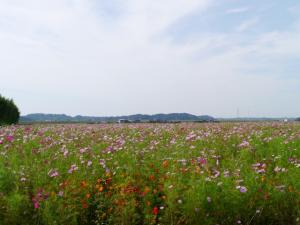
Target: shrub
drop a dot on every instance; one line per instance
(9, 112)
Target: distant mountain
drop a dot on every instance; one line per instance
(256, 119)
(40, 117)
(206, 118)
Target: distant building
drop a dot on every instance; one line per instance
(124, 121)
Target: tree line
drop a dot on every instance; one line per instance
(9, 112)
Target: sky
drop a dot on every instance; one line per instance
(121, 57)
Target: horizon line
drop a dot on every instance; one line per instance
(150, 114)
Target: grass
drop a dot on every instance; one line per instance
(236, 173)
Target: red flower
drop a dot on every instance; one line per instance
(108, 180)
(152, 177)
(85, 205)
(155, 210)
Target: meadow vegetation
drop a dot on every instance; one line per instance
(235, 173)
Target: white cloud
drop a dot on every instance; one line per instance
(247, 24)
(67, 57)
(237, 10)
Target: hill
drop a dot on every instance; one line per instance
(171, 117)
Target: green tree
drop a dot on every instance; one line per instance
(9, 112)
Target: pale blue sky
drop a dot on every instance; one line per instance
(116, 57)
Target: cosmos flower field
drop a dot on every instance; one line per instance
(223, 173)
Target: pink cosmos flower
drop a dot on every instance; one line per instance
(53, 173)
(190, 136)
(201, 161)
(173, 141)
(242, 189)
(66, 153)
(244, 144)
(83, 150)
(36, 205)
(226, 173)
(260, 171)
(73, 168)
(102, 163)
(10, 138)
(259, 167)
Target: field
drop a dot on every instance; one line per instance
(235, 173)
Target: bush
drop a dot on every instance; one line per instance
(9, 112)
